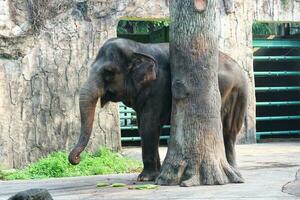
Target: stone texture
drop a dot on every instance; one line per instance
(277, 10)
(32, 194)
(293, 187)
(46, 47)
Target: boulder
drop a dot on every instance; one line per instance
(32, 194)
(293, 187)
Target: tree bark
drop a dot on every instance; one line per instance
(196, 153)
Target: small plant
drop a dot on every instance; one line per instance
(103, 184)
(260, 28)
(140, 27)
(144, 187)
(57, 165)
(1, 173)
(285, 3)
(130, 187)
(118, 185)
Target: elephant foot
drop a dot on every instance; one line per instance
(148, 176)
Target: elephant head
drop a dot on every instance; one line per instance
(119, 72)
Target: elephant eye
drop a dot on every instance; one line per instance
(138, 61)
(108, 75)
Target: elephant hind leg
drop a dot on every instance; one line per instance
(229, 143)
(158, 165)
(233, 116)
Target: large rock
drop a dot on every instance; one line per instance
(293, 187)
(32, 194)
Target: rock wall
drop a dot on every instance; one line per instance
(276, 10)
(46, 47)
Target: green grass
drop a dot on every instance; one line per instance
(57, 165)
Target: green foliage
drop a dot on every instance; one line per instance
(118, 185)
(102, 184)
(57, 165)
(140, 27)
(130, 187)
(285, 3)
(1, 174)
(259, 28)
(145, 187)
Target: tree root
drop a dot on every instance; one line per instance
(190, 172)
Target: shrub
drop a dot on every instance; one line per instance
(56, 165)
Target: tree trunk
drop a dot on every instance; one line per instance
(196, 153)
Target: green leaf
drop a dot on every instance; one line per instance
(102, 184)
(144, 187)
(118, 185)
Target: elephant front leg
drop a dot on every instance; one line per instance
(150, 130)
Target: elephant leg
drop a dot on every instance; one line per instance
(158, 164)
(233, 114)
(229, 133)
(149, 130)
(229, 142)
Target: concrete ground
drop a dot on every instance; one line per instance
(265, 167)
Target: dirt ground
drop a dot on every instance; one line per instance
(269, 170)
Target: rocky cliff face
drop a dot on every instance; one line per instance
(45, 59)
(277, 10)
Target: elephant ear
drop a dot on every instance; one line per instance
(142, 69)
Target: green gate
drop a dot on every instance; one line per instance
(277, 87)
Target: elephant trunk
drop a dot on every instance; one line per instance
(89, 95)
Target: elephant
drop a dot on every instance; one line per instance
(138, 75)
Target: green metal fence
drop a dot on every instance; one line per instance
(128, 116)
(276, 43)
(128, 123)
(281, 64)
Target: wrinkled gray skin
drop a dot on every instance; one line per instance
(139, 75)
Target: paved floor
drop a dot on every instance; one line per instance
(266, 168)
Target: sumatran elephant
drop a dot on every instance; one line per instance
(138, 75)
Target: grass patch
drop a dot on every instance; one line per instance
(57, 165)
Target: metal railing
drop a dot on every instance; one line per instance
(267, 43)
(277, 43)
(278, 103)
(276, 58)
(276, 73)
(277, 89)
